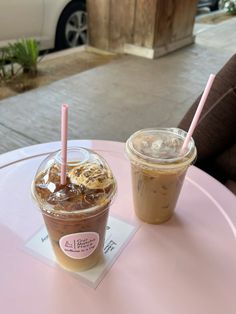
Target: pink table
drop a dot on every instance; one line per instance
(186, 266)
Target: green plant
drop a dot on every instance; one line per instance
(25, 52)
(2, 64)
(229, 6)
(7, 69)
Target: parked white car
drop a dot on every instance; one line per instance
(53, 23)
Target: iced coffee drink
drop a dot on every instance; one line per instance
(76, 213)
(158, 170)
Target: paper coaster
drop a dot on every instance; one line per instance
(118, 233)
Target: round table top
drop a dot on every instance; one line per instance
(186, 265)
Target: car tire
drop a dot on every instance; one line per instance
(72, 26)
(215, 6)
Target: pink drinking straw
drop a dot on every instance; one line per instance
(197, 114)
(64, 136)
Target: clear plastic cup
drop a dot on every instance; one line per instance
(158, 171)
(76, 213)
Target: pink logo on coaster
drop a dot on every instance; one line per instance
(79, 245)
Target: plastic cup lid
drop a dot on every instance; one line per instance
(159, 147)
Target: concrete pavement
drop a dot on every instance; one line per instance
(114, 100)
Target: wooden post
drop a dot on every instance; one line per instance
(175, 22)
(149, 28)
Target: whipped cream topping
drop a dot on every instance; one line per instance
(91, 176)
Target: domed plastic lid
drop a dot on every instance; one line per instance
(89, 182)
(152, 147)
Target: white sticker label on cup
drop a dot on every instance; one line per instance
(79, 245)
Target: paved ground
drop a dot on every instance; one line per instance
(56, 66)
(112, 101)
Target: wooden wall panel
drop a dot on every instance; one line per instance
(164, 22)
(183, 20)
(98, 23)
(158, 25)
(121, 25)
(144, 24)
(174, 20)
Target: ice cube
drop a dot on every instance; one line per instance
(157, 145)
(59, 196)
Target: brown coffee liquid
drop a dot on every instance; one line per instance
(64, 208)
(57, 228)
